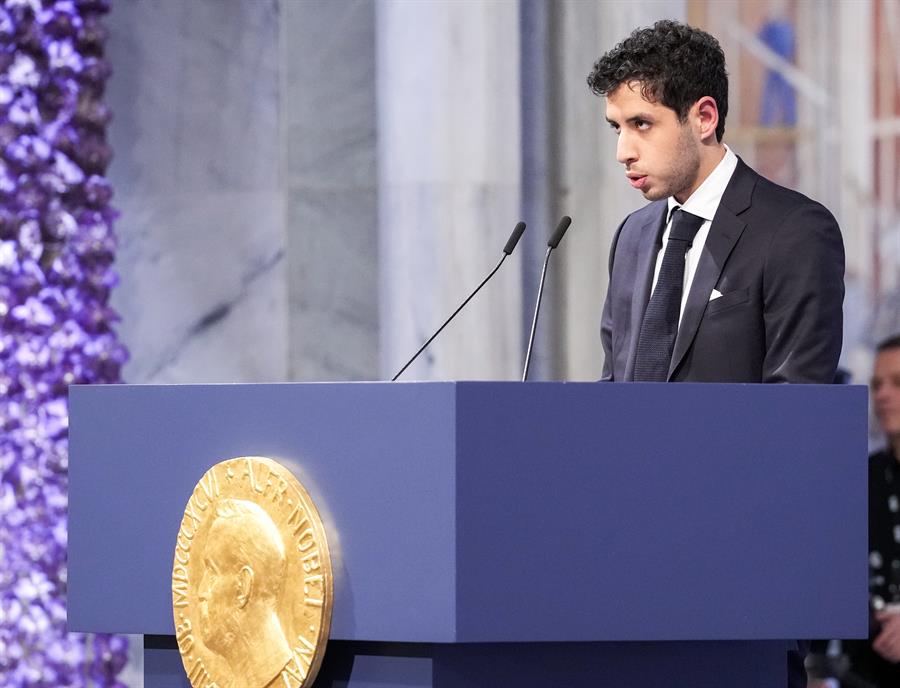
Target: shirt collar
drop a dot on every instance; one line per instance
(705, 200)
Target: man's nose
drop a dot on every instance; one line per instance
(625, 150)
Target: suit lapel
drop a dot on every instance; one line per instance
(724, 233)
(650, 237)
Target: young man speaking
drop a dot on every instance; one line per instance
(724, 276)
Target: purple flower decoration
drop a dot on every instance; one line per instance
(93, 153)
(62, 55)
(56, 325)
(95, 72)
(28, 152)
(62, 19)
(7, 25)
(23, 110)
(92, 35)
(23, 73)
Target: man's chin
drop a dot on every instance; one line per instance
(650, 192)
(654, 195)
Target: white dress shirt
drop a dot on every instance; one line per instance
(703, 202)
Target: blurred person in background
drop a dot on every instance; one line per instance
(877, 660)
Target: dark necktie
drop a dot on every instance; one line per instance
(660, 325)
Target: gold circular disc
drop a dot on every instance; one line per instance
(251, 582)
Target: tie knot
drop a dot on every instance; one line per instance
(684, 226)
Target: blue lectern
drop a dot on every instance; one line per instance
(504, 534)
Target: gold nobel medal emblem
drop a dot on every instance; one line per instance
(251, 582)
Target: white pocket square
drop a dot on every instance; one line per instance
(715, 294)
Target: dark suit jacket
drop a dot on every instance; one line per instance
(776, 257)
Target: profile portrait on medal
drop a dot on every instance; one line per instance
(240, 589)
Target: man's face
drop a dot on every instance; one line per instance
(217, 592)
(661, 155)
(886, 392)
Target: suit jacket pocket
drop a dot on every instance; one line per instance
(728, 300)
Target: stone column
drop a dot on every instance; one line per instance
(540, 185)
(328, 158)
(449, 178)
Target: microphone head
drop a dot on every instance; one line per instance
(560, 230)
(514, 238)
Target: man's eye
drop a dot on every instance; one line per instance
(641, 125)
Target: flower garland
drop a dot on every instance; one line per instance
(56, 251)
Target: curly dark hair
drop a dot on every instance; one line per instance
(676, 65)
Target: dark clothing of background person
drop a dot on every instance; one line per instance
(884, 566)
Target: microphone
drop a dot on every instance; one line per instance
(507, 250)
(551, 244)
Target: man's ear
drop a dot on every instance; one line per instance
(244, 586)
(706, 113)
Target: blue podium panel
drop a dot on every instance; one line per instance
(660, 512)
(501, 512)
(376, 459)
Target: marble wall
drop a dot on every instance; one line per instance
(246, 184)
(195, 96)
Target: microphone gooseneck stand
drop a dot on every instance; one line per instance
(551, 244)
(507, 250)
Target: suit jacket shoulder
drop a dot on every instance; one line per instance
(767, 197)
